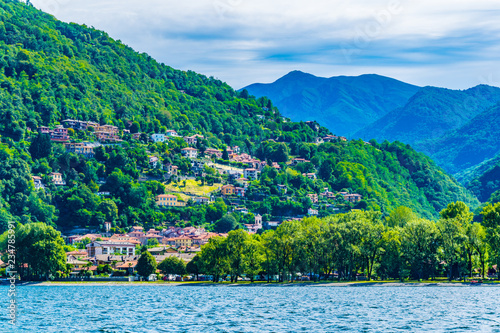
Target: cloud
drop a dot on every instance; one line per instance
(427, 42)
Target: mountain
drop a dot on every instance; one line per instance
(468, 146)
(51, 71)
(431, 113)
(483, 179)
(343, 104)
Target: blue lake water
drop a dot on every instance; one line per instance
(163, 308)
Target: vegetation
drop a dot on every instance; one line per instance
(347, 246)
(36, 251)
(146, 265)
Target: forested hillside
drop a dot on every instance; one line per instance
(51, 71)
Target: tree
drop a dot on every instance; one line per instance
(172, 265)
(419, 244)
(226, 223)
(39, 250)
(214, 259)
(491, 215)
(194, 266)
(146, 265)
(41, 146)
(400, 216)
(225, 155)
(135, 127)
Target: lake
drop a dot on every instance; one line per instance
(262, 308)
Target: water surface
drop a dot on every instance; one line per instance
(263, 308)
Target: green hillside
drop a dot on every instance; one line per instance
(51, 71)
(470, 145)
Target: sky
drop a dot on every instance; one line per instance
(444, 43)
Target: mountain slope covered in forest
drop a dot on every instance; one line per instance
(51, 71)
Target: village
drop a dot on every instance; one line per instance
(236, 171)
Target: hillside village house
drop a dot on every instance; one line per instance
(153, 161)
(80, 148)
(251, 173)
(192, 140)
(158, 137)
(166, 200)
(352, 197)
(239, 191)
(57, 178)
(171, 133)
(59, 134)
(227, 190)
(189, 152)
(171, 169)
(110, 247)
(211, 151)
(37, 181)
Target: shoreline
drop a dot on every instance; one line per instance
(262, 284)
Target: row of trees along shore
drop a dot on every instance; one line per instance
(342, 246)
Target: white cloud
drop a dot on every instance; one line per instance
(446, 43)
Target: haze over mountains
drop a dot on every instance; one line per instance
(457, 128)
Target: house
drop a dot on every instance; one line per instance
(239, 191)
(161, 250)
(171, 133)
(171, 169)
(136, 232)
(44, 130)
(296, 161)
(74, 239)
(158, 137)
(202, 200)
(282, 189)
(59, 134)
(210, 151)
(273, 223)
(75, 124)
(352, 197)
(136, 136)
(168, 200)
(312, 212)
(313, 197)
(110, 247)
(128, 266)
(241, 210)
(251, 173)
(192, 140)
(227, 190)
(310, 175)
(153, 161)
(80, 148)
(189, 152)
(183, 241)
(57, 178)
(38, 182)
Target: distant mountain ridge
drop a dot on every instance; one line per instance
(431, 113)
(344, 104)
(456, 128)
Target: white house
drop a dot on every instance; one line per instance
(110, 247)
(251, 173)
(312, 212)
(189, 152)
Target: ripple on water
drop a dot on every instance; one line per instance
(254, 309)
